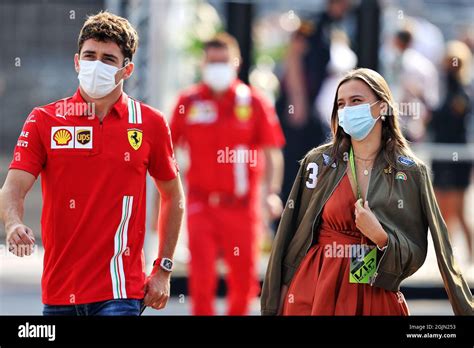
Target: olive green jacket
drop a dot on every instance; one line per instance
(403, 201)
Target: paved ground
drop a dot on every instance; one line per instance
(20, 291)
(26, 300)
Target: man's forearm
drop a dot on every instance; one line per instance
(274, 170)
(11, 206)
(12, 196)
(19, 237)
(170, 221)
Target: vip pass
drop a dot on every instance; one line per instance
(363, 267)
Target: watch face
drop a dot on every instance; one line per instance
(167, 264)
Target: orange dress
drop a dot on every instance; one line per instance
(321, 283)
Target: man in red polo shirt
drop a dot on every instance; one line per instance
(93, 151)
(232, 133)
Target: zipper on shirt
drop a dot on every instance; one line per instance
(100, 143)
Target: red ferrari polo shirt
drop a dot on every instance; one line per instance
(93, 177)
(224, 136)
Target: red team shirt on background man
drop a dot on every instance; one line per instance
(225, 136)
(202, 122)
(94, 205)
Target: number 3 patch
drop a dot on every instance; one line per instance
(313, 175)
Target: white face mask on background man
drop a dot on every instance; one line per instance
(97, 79)
(218, 76)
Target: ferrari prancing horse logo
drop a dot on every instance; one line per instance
(135, 137)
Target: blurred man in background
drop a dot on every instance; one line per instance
(306, 63)
(415, 80)
(225, 125)
(449, 126)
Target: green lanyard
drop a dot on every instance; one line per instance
(354, 174)
(361, 269)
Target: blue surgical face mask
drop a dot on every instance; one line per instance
(357, 120)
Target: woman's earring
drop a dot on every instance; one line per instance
(383, 118)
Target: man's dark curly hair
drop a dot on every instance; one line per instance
(105, 26)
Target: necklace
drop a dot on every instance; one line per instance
(366, 168)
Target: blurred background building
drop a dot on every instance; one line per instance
(287, 46)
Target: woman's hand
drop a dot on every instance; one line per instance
(368, 224)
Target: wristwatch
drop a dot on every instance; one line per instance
(165, 263)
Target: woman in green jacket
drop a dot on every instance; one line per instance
(355, 224)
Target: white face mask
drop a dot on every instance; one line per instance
(218, 76)
(97, 79)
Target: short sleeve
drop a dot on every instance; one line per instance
(30, 154)
(162, 164)
(269, 132)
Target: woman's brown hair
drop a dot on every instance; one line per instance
(393, 141)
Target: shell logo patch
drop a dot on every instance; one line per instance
(401, 176)
(135, 137)
(62, 137)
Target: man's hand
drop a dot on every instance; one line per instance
(20, 239)
(274, 164)
(274, 205)
(157, 289)
(157, 285)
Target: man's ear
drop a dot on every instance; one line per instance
(128, 70)
(236, 62)
(76, 62)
